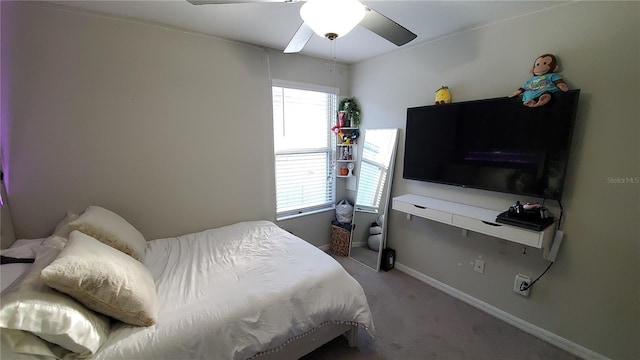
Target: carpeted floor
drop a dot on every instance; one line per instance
(416, 321)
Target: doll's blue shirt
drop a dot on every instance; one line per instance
(539, 84)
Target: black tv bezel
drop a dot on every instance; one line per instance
(573, 92)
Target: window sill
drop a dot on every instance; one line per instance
(304, 213)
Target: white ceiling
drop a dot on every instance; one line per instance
(273, 24)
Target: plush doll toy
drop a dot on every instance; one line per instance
(545, 81)
(443, 95)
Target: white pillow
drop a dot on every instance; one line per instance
(55, 242)
(111, 229)
(63, 229)
(29, 308)
(105, 280)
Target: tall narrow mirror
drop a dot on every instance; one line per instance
(374, 171)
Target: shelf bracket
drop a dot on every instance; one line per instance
(465, 232)
(408, 216)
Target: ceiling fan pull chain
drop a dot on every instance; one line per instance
(333, 64)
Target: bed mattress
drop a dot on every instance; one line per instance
(232, 292)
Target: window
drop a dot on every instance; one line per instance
(304, 155)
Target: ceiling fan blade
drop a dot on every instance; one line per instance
(299, 40)
(386, 27)
(204, 2)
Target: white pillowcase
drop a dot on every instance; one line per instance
(105, 280)
(35, 318)
(111, 229)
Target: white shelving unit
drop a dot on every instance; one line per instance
(346, 154)
(472, 218)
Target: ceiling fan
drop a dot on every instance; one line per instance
(332, 19)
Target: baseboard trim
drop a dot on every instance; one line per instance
(523, 325)
(324, 247)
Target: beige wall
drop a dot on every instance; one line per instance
(170, 129)
(591, 295)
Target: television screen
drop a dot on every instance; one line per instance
(493, 144)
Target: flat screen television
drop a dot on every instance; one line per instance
(493, 144)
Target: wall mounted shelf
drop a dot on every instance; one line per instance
(346, 153)
(472, 218)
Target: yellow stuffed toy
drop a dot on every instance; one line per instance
(443, 96)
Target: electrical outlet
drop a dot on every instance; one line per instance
(479, 266)
(521, 280)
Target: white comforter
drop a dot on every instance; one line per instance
(231, 292)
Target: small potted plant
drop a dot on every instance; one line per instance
(351, 110)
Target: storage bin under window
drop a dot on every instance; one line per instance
(339, 241)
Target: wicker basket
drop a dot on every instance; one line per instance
(339, 241)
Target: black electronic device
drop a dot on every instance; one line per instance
(388, 259)
(534, 220)
(493, 144)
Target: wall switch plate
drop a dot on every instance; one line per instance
(520, 280)
(479, 266)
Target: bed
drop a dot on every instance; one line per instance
(245, 291)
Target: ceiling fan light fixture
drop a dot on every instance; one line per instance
(332, 18)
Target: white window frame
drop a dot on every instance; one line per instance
(329, 205)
